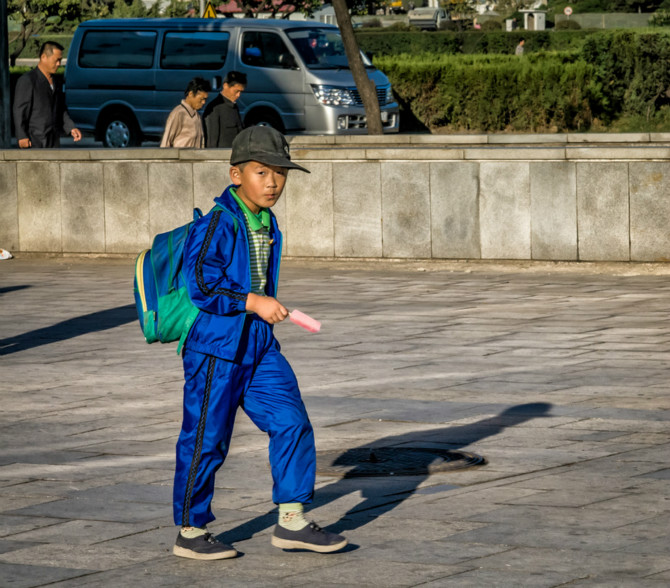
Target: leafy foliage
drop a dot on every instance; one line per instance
(661, 18)
(175, 9)
(585, 6)
(281, 8)
(633, 69)
(615, 76)
(492, 25)
(385, 42)
(568, 25)
(548, 92)
(36, 16)
(135, 9)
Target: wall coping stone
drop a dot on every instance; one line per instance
(520, 154)
(414, 154)
(203, 154)
(560, 147)
(133, 154)
(355, 141)
(619, 153)
(448, 139)
(517, 139)
(608, 138)
(331, 154)
(45, 154)
(481, 139)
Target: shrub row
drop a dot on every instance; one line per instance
(614, 77)
(633, 71)
(380, 42)
(552, 92)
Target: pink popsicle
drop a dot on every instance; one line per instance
(304, 321)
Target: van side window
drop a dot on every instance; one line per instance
(265, 50)
(197, 50)
(118, 49)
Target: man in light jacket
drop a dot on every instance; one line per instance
(184, 125)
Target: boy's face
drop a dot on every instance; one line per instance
(259, 185)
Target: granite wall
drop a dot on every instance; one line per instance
(366, 197)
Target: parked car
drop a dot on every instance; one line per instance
(427, 18)
(124, 76)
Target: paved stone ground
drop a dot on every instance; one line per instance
(560, 379)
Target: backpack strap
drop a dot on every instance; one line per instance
(236, 223)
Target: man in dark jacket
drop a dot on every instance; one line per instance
(39, 103)
(222, 117)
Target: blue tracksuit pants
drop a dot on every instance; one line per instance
(261, 381)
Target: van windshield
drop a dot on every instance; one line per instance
(321, 48)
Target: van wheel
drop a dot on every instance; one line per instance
(120, 130)
(265, 118)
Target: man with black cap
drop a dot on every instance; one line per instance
(231, 358)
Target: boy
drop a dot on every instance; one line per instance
(184, 125)
(231, 358)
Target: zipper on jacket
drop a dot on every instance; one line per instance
(279, 244)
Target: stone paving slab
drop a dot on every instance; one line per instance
(556, 373)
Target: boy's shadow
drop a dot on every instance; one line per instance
(382, 494)
(100, 320)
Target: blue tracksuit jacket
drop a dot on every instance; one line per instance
(216, 267)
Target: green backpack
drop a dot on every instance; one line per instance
(164, 308)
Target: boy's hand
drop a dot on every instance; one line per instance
(266, 307)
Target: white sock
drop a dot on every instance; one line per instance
(291, 516)
(192, 532)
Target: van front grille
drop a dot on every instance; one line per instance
(381, 96)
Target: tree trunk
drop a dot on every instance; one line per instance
(366, 87)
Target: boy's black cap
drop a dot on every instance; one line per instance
(263, 144)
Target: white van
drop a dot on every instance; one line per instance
(427, 18)
(124, 76)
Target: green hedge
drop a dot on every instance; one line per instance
(633, 70)
(614, 79)
(552, 92)
(381, 42)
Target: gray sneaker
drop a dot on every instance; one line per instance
(311, 537)
(202, 547)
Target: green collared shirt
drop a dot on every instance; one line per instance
(258, 233)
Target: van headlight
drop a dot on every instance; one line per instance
(389, 95)
(333, 95)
